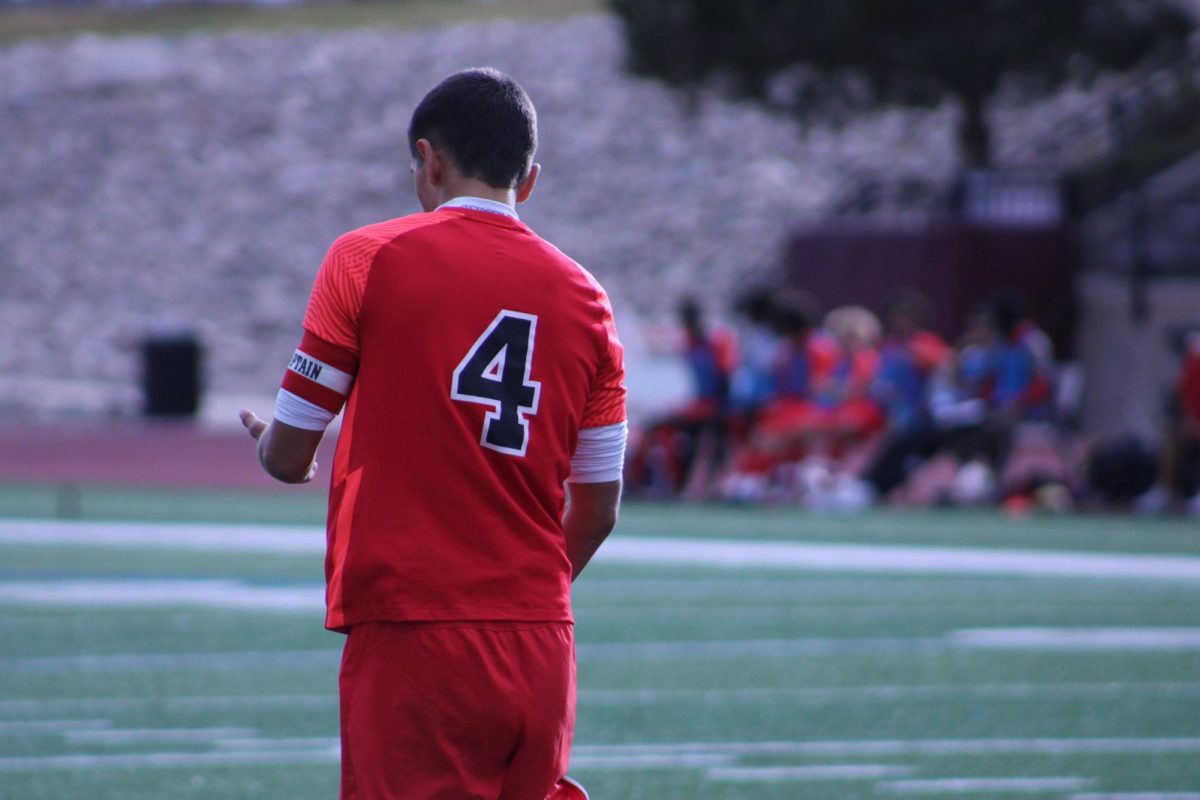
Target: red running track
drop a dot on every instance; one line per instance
(140, 453)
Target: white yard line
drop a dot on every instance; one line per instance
(758, 648)
(799, 556)
(169, 536)
(139, 593)
(144, 735)
(236, 595)
(1078, 638)
(973, 786)
(143, 760)
(650, 760)
(853, 772)
(1048, 639)
(22, 727)
(113, 704)
(154, 662)
(839, 694)
(253, 750)
(900, 559)
(1137, 796)
(252, 743)
(614, 697)
(1123, 639)
(905, 747)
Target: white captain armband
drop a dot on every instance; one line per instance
(299, 413)
(321, 373)
(599, 454)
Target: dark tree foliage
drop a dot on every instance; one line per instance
(911, 51)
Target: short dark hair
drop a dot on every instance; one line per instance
(485, 122)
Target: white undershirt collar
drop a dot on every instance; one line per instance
(480, 204)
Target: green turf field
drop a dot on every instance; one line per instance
(190, 662)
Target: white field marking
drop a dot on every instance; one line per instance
(142, 760)
(169, 536)
(972, 786)
(111, 704)
(253, 743)
(818, 557)
(256, 751)
(1078, 638)
(900, 559)
(257, 701)
(217, 593)
(237, 595)
(325, 750)
(762, 590)
(1089, 639)
(156, 662)
(650, 760)
(759, 648)
(825, 589)
(139, 735)
(1175, 639)
(851, 693)
(1138, 796)
(904, 747)
(40, 708)
(808, 773)
(8, 727)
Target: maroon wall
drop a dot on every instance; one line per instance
(956, 265)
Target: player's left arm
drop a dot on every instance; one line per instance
(321, 371)
(314, 388)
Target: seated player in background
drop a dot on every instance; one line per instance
(996, 381)
(804, 358)
(1022, 362)
(752, 384)
(477, 470)
(909, 359)
(681, 450)
(849, 414)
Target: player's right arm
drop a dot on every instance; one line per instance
(594, 487)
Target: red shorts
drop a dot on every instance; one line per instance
(450, 711)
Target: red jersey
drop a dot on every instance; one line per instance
(474, 352)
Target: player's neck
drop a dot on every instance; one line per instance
(471, 187)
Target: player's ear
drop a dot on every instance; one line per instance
(525, 185)
(431, 158)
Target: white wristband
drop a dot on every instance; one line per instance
(300, 413)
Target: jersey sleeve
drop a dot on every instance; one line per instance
(321, 371)
(337, 295)
(606, 400)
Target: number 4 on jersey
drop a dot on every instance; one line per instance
(495, 372)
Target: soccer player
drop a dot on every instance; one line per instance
(477, 470)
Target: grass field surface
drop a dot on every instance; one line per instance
(168, 644)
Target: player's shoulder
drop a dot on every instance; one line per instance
(580, 274)
(369, 238)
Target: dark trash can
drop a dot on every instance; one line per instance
(171, 382)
